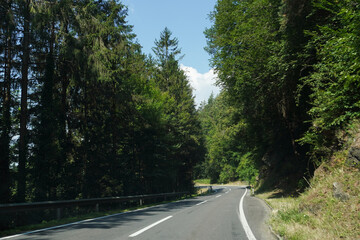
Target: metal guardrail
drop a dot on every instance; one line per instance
(205, 186)
(19, 207)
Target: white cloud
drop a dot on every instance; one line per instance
(203, 84)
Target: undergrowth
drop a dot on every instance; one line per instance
(316, 213)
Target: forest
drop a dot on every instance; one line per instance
(290, 77)
(84, 113)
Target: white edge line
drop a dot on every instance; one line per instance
(243, 220)
(79, 222)
(64, 225)
(83, 221)
(148, 227)
(218, 196)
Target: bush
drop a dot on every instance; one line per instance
(228, 174)
(246, 169)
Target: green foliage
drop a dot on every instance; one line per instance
(202, 181)
(247, 170)
(105, 120)
(166, 48)
(335, 79)
(227, 174)
(263, 56)
(184, 139)
(245, 52)
(222, 129)
(290, 70)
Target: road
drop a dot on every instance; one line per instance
(218, 216)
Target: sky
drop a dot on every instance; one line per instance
(187, 20)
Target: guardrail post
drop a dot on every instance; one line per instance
(58, 213)
(141, 202)
(97, 207)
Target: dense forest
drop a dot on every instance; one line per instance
(84, 113)
(290, 77)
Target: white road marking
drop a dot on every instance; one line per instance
(201, 203)
(62, 226)
(150, 226)
(243, 220)
(79, 222)
(218, 196)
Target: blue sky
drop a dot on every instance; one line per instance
(187, 20)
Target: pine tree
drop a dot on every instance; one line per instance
(8, 26)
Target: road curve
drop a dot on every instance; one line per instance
(216, 216)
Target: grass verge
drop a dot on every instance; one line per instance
(316, 213)
(205, 181)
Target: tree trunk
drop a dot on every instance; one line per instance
(6, 123)
(24, 112)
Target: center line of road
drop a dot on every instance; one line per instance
(201, 203)
(148, 227)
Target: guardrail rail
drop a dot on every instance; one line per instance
(9, 211)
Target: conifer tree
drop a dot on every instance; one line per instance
(23, 138)
(7, 53)
(184, 137)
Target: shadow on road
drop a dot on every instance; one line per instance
(116, 220)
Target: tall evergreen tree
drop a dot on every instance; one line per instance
(23, 138)
(8, 26)
(185, 141)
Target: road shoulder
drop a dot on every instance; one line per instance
(257, 213)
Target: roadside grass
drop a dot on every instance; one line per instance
(316, 213)
(202, 191)
(235, 183)
(205, 181)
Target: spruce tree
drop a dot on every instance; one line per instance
(184, 138)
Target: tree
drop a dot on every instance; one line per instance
(8, 26)
(166, 48)
(261, 59)
(335, 80)
(25, 10)
(94, 116)
(226, 140)
(184, 141)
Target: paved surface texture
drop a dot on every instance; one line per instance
(215, 216)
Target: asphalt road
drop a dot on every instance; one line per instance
(217, 216)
